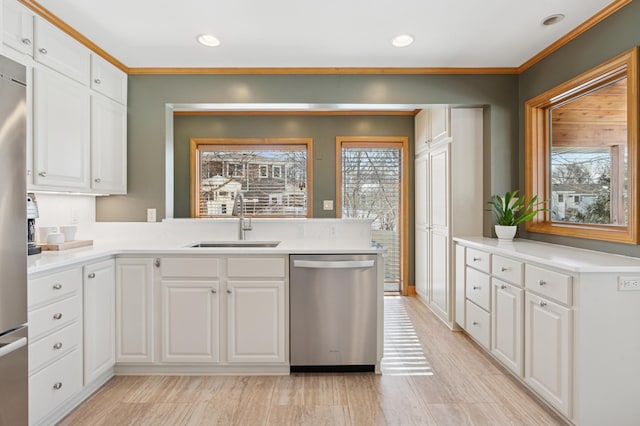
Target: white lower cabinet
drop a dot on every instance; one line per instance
(99, 319)
(256, 321)
(506, 325)
(134, 310)
(189, 321)
(548, 350)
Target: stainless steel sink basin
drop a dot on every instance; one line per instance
(235, 244)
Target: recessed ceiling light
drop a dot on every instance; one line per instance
(553, 19)
(402, 40)
(208, 40)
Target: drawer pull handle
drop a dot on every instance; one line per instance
(43, 50)
(26, 41)
(503, 269)
(97, 180)
(57, 345)
(477, 259)
(92, 275)
(503, 287)
(542, 282)
(476, 287)
(157, 262)
(57, 386)
(57, 286)
(42, 174)
(97, 81)
(228, 291)
(542, 304)
(57, 316)
(213, 291)
(476, 323)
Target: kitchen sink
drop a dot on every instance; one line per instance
(234, 244)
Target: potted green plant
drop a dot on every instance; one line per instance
(512, 210)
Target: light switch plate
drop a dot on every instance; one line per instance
(327, 205)
(151, 215)
(629, 283)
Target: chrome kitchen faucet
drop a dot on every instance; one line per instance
(238, 210)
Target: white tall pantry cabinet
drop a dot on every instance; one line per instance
(448, 178)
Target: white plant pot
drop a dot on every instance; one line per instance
(506, 233)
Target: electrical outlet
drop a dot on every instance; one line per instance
(75, 216)
(327, 205)
(151, 215)
(629, 283)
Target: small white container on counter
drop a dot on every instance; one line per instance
(69, 232)
(44, 231)
(55, 238)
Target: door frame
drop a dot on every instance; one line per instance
(401, 142)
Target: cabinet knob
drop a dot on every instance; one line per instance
(42, 174)
(213, 291)
(97, 180)
(542, 282)
(92, 275)
(503, 269)
(476, 323)
(57, 316)
(503, 287)
(157, 262)
(29, 172)
(57, 286)
(57, 386)
(43, 50)
(476, 287)
(57, 345)
(228, 291)
(542, 304)
(26, 41)
(477, 259)
(97, 81)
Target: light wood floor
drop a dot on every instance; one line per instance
(430, 376)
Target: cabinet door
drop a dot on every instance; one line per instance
(439, 187)
(440, 124)
(61, 139)
(134, 310)
(460, 283)
(59, 51)
(548, 335)
(421, 191)
(439, 250)
(189, 321)
(17, 27)
(256, 321)
(421, 261)
(108, 146)
(99, 319)
(421, 125)
(506, 319)
(108, 80)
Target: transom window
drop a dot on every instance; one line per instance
(273, 175)
(581, 153)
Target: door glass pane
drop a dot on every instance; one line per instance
(371, 190)
(589, 157)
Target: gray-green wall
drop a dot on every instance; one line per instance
(614, 35)
(323, 130)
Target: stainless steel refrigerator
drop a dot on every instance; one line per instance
(14, 398)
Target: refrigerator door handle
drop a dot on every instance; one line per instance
(316, 264)
(13, 346)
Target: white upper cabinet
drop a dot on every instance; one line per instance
(108, 146)
(17, 27)
(59, 51)
(421, 127)
(432, 125)
(108, 80)
(61, 132)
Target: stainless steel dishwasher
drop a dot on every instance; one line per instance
(333, 312)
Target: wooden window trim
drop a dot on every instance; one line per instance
(401, 142)
(537, 155)
(198, 145)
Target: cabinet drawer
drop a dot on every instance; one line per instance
(54, 316)
(203, 267)
(53, 346)
(548, 283)
(54, 286)
(507, 269)
(479, 324)
(478, 259)
(255, 267)
(478, 288)
(54, 385)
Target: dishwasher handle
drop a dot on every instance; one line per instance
(333, 264)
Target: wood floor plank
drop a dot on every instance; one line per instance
(431, 376)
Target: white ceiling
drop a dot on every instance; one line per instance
(322, 33)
